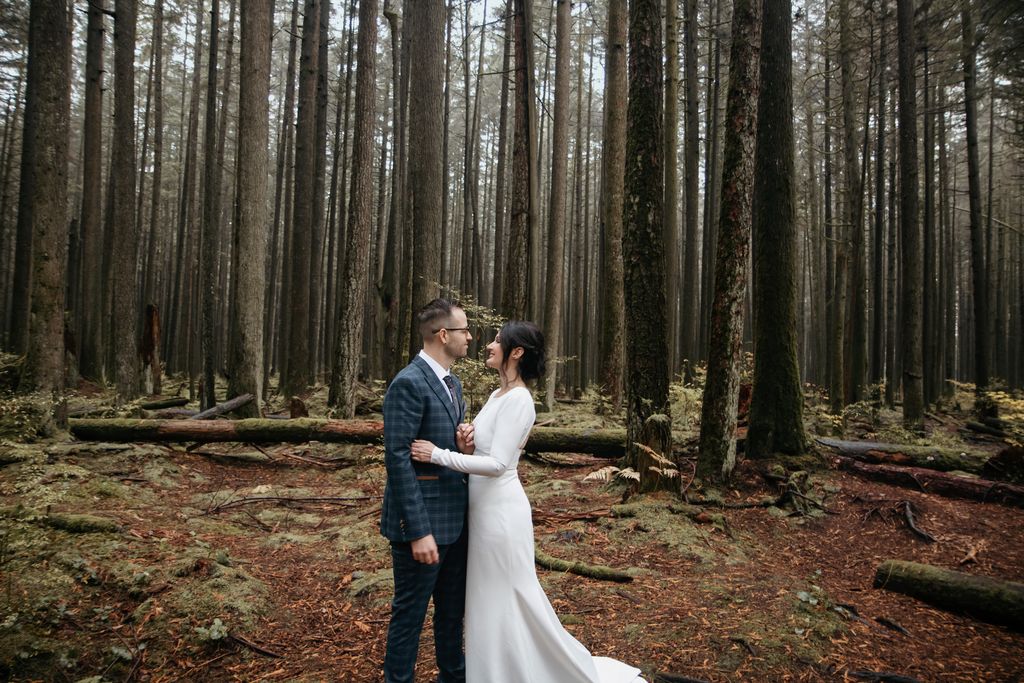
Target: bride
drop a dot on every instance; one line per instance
(512, 633)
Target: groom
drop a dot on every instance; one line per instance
(424, 509)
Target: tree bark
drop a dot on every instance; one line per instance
(126, 236)
(670, 202)
(250, 242)
(210, 233)
(979, 263)
(642, 248)
(776, 408)
(613, 161)
(556, 211)
(688, 325)
(355, 272)
(50, 70)
(515, 298)
(296, 376)
(90, 360)
(910, 238)
(717, 454)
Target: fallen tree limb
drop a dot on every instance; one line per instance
(594, 571)
(608, 443)
(986, 598)
(908, 514)
(929, 457)
(940, 483)
(225, 407)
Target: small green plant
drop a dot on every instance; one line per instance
(215, 633)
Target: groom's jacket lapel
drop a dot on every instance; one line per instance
(439, 389)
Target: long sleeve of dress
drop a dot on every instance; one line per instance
(512, 424)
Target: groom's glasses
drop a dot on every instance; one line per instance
(451, 329)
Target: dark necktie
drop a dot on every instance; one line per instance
(450, 383)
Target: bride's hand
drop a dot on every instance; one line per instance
(464, 438)
(421, 450)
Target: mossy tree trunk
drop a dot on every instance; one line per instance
(776, 409)
(717, 455)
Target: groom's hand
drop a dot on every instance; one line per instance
(425, 550)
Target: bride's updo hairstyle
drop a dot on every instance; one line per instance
(518, 333)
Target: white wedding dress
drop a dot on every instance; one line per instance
(512, 633)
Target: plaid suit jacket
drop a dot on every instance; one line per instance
(421, 498)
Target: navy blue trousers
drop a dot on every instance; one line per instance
(415, 584)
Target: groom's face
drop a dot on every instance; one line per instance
(456, 336)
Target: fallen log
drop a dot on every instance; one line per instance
(607, 443)
(983, 597)
(173, 402)
(930, 457)
(225, 407)
(940, 483)
(986, 429)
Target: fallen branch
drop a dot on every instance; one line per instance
(983, 597)
(663, 677)
(908, 514)
(322, 500)
(253, 646)
(594, 571)
(225, 407)
(939, 483)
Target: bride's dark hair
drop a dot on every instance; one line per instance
(523, 334)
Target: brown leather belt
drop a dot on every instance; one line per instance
(428, 478)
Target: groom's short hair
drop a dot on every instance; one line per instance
(434, 315)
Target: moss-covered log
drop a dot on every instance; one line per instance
(929, 457)
(983, 597)
(609, 443)
(940, 483)
(594, 571)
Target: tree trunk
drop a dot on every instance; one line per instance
(613, 162)
(688, 326)
(355, 271)
(250, 243)
(515, 298)
(210, 233)
(426, 166)
(501, 174)
(979, 263)
(50, 70)
(126, 236)
(155, 226)
(776, 408)
(316, 271)
(642, 248)
(297, 374)
(910, 238)
(90, 360)
(717, 454)
(556, 213)
(878, 229)
(670, 153)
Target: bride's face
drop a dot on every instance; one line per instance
(494, 354)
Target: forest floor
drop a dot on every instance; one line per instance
(129, 562)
